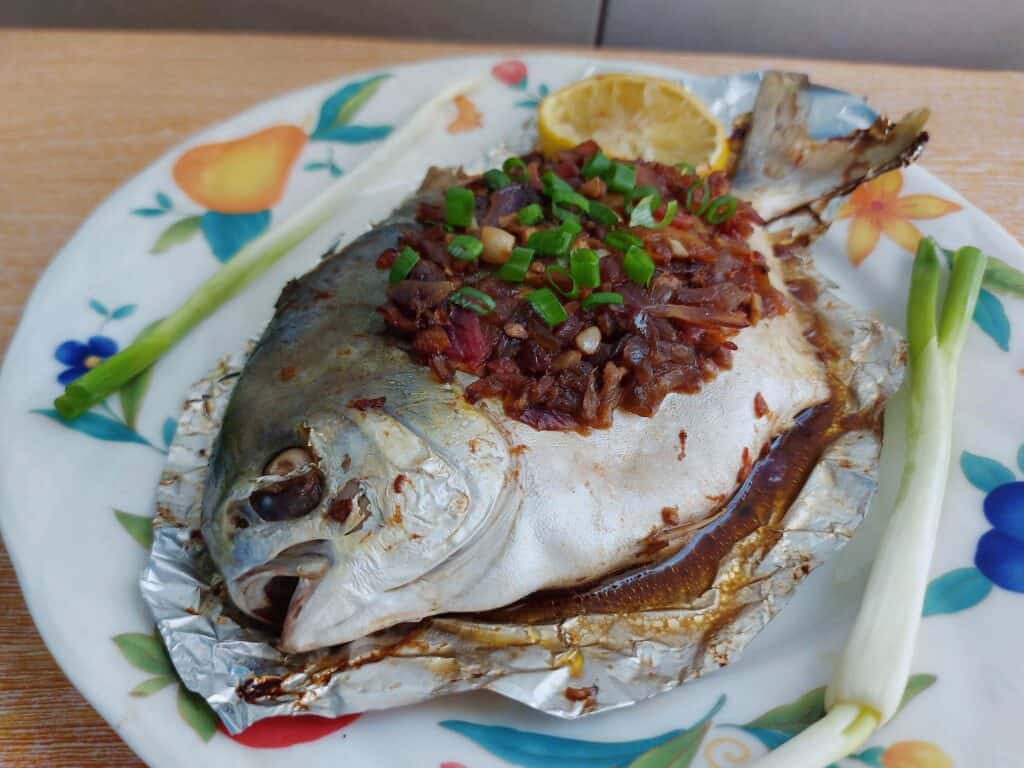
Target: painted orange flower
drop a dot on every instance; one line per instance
(876, 207)
(467, 117)
(915, 754)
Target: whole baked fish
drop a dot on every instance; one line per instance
(354, 488)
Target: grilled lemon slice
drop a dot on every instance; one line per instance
(633, 116)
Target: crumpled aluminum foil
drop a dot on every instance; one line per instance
(568, 668)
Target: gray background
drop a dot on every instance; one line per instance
(954, 33)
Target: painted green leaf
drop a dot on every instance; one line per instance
(148, 212)
(145, 652)
(197, 713)
(132, 393)
(163, 201)
(1002, 278)
(138, 527)
(956, 591)
(984, 473)
(680, 751)
(152, 685)
(125, 310)
(916, 685)
(872, 756)
(98, 307)
(990, 315)
(179, 232)
(315, 166)
(795, 716)
(97, 425)
(798, 714)
(168, 431)
(342, 106)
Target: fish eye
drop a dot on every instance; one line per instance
(288, 460)
(288, 499)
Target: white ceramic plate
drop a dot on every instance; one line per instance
(162, 233)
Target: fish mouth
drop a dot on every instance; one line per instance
(275, 591)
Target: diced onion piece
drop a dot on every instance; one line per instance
(497, 245)
(588, 340)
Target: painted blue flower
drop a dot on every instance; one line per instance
(1000, 553)
(80, 358)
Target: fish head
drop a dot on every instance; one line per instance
(328, 496)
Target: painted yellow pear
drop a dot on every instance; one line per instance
(244, 175)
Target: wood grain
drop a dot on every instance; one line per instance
(84, 111)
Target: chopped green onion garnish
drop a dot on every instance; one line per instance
(620, 177)
(554, 270)
(705, 197)
(514, 270)
(472, 299)
(546, 304)
(721, 209)
(597, 165)
(550, 242)
(622, 241)
(686, 168)
(530, 214)
(459, 206)
(569, 197)
(595, 300)
(496, 179)
(638, 193)
(570, 222)
(643, 214)
(514, 167)
(465, 248)
(551, 183)
(602, 214)
(584, 265)
(403, 265)
(638, 265)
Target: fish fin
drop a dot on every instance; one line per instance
(782, 170)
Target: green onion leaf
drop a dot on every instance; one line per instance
(721, 209)
(643, 214)
(584, 265)
(514, 167)
(530, 214)
(622, 241)
(595, 300)
(602, 214)
(597, 165)
(638, 265)
(471, 298)
(702, 202)
(496, 179)
(556, 270)
(459, 207)
(547, 305)
(514, 270)
(550, 242)
(620, 178)
(686, 168)
(403, 265)
(465, 248)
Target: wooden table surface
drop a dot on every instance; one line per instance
(84, 111)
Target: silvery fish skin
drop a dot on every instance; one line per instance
(404, 501)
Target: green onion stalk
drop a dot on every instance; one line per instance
(249, 263)
(868, 682)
